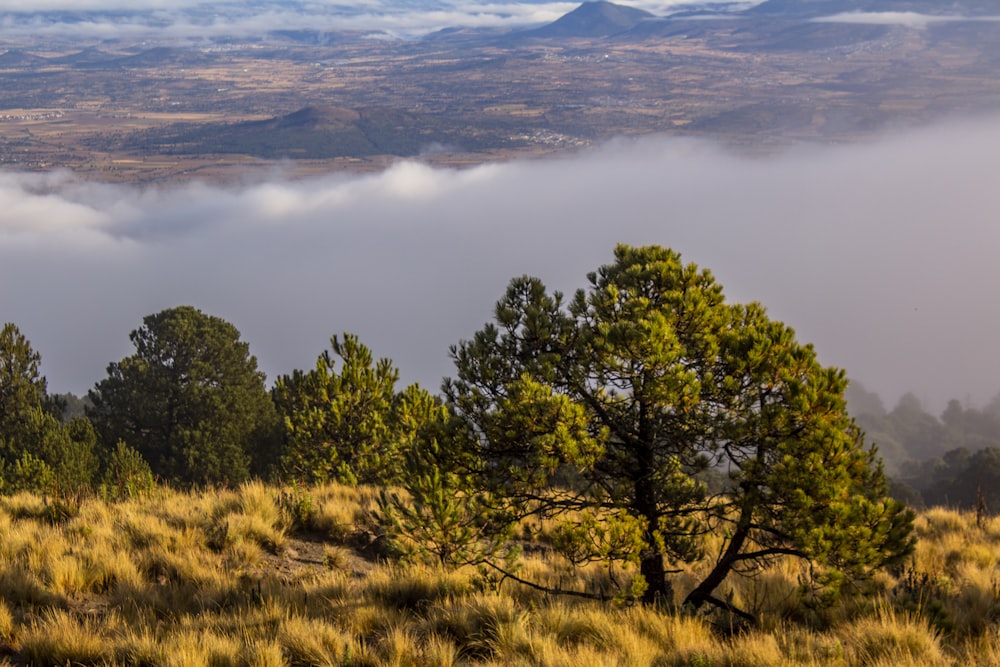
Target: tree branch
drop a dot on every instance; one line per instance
(722, 604)
(771, 551)
(544, 589)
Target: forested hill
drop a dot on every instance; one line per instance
(935, 460)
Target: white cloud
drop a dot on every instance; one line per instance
(35, 6)
(906, 19)
(883, 255)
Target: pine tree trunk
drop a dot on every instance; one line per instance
(658, 591)
(702, 593)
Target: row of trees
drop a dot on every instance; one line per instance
(192, 403)
(606, 415)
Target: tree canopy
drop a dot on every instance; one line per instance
(190, 400)
(348, 423)
(606, 413)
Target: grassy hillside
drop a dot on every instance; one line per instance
(269, 576)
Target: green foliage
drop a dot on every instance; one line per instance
(442, 517)
(298, 507)
(37, 451)
(607, 412)
(127, 475)
(68, 406)
(30, 473)
(190, 400)
(75, 462)
(21, 385)
(348, 424)
(22, 395)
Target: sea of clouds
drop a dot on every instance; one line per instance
(883, 255)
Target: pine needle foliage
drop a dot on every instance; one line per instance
(344, 420)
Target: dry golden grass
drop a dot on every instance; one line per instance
(222, 578)
(6, 623)
(888, 637)
(59, 637)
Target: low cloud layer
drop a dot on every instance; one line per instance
(906, 19)
(883, 255)
(170, 20)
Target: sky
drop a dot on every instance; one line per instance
(883, 255)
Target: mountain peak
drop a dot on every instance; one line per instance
(598, 18)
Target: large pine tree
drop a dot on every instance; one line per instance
(673, 385)
(190, 400)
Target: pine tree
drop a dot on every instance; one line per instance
(616, 406)
(440, 517)
(190, 400)
(345, 420)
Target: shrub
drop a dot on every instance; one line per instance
(127, 475)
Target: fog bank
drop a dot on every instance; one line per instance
(882, 255)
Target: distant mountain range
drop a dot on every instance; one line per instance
(323, 23)
(92, 57)
(773, 24)
(16, 58)
(323, 132)
(783, 24)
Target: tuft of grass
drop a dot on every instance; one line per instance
(976, 604)
(335, 558)
(59, 638)
(311, 642)
(340, 512)
(65, 575)
(242, 555)
(252, 515)
(263, 653)
(140, 647)
(6, 623)
(204, 647)
(568, 626)
(891, 638)
(416, 587)
(755, 649)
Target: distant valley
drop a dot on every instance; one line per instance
(757, 78)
